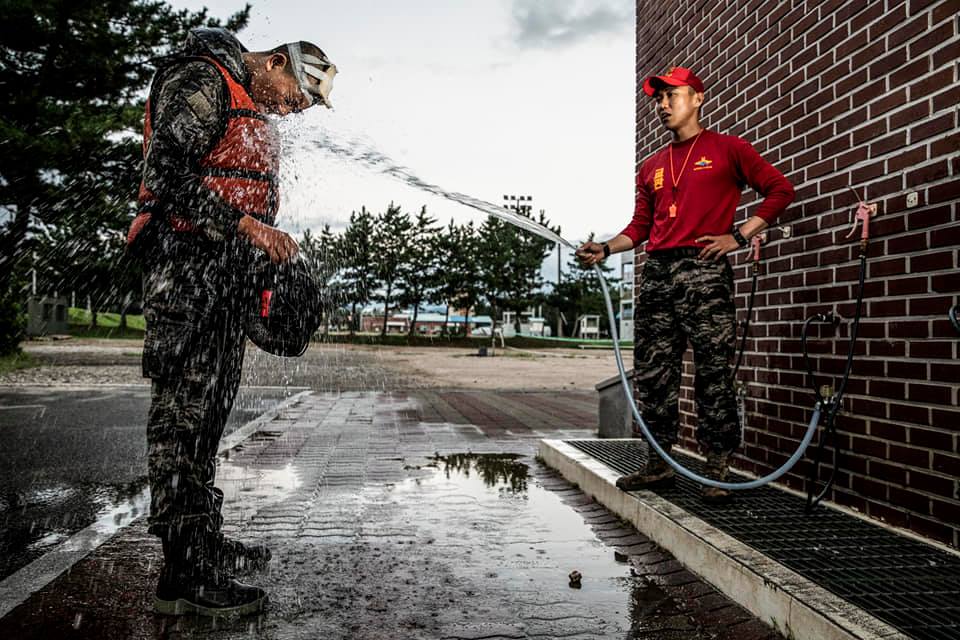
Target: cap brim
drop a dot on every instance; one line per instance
(650, 84)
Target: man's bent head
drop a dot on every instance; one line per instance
(290, 78)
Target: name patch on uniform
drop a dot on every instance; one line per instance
(658, 179)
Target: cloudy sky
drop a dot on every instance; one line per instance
(485, 98)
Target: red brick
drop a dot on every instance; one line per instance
(907, 286)
(944, 192)
(930, 483)
(929, 393)
(909, 73)
(932, 529)
(912, 113)
(909, 456)
(904, 32)
(934, 127)
(887, 144)
(909, 413)
(931, 439)
(931, 261)
(888, 63)
(945, 373)
(946, 283)
(907, 158)
(949, 465)
(931, 84)
(930, 40)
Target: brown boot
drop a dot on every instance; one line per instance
(656, 473)
(717, 467)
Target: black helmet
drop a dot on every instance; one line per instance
(286, 309)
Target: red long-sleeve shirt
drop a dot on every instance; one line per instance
(707, 193)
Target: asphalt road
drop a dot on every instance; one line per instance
(68, 455)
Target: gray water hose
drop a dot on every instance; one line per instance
(752, 484)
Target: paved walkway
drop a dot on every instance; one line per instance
(386, 523)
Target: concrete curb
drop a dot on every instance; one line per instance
(792, 604)
(18, 587)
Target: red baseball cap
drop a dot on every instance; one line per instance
(677, 77)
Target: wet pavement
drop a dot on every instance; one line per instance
(408, 515)
(72, 456)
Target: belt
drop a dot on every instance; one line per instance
(675, 253)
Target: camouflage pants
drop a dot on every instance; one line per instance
(193, 353)
(684, 299)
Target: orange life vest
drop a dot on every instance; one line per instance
(241, 168)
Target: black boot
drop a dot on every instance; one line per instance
(234, 557)
(656, 473)
(191, 583)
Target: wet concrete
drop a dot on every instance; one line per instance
(71, 457)
(384, 524)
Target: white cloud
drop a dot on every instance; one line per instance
(559, 23)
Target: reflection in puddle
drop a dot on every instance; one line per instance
(47, 517)
(512, 536)
(240, 482)
(493, 468)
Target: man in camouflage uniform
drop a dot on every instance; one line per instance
(687, 195)
(208, 199)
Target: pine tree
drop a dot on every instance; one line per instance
(73, 74)
(356, 253)
(418, 273)
(392, 234)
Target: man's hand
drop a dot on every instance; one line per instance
(277, 244)
(717, 246)
(589, 253)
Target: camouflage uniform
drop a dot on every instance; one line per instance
(193, 296)
(682, 298)
(193, 354)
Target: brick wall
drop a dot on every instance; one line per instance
(841, 93)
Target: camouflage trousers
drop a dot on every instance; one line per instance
(193, 353)
(684, 299)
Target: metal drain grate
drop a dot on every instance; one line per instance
(907, 584)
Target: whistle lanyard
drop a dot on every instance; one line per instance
(674, 181)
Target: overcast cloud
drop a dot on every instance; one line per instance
(560, 23)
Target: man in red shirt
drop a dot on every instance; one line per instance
(687, 194)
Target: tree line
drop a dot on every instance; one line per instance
(399, 261)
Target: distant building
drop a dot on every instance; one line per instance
(47, 316)
(590, 326)
(428, 324)
(532, 323)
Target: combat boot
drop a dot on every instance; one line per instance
(717, 467)
(191, 582)
(235, 557)
(655, 473)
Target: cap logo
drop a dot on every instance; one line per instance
(670, 71)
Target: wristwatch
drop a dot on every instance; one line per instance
(741, 241)
(606, 250)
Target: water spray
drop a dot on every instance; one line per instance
(377, 161)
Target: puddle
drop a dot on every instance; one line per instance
(45, 518)
(241, 483)
(519, 539)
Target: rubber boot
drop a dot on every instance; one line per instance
(235, 557)
(191, 583)
(656, 473)
(717, 467)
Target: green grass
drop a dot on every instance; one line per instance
(81, 318)
(16, 361)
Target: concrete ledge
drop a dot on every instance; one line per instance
(795, 606)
